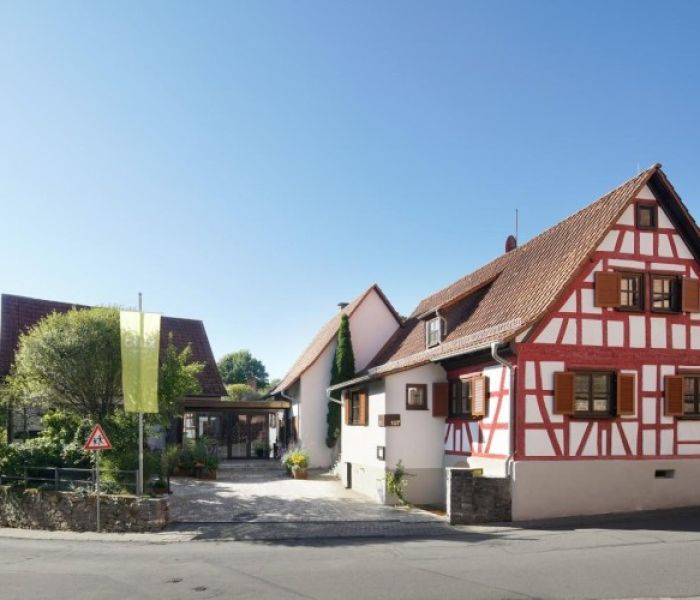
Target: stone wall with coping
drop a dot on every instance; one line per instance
(475, 499)
(75, 511)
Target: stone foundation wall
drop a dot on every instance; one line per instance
(74, 511)
(475, 499)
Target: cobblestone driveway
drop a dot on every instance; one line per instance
(266, 504)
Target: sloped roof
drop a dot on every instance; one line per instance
(325, 336)
(18, 314)
(514, 291)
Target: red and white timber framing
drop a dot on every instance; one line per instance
(579, 335)
(487, 437)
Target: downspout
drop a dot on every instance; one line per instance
(511, 393)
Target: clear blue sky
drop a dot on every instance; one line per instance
(252, 164)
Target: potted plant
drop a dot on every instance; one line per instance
(260, 449)
(297, 462)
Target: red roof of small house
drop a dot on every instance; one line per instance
(18, 314)
(511, 293)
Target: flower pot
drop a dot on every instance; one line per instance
(299, 474)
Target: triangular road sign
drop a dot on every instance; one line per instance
(97, 440)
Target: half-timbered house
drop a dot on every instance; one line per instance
(569, 366)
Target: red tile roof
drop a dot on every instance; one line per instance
(19, 314)
(512, 292)
(325, 336)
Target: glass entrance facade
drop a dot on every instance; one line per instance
(236, 434)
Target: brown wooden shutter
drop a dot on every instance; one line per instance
(607, 289)
(674, 395)
(564, 393)
(346, 408)
(625, 394)
(363, 408)
(441, 392)
(690, 296)
(479, 396)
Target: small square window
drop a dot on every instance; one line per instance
(665, 293)
(416, 396)
(593, 393)
(646, 216)
(632, 291)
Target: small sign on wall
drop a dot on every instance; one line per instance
(390, 420)
(381, 452)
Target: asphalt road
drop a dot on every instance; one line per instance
(648, 558)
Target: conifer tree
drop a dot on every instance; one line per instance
(342, 369)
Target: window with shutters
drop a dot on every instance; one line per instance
(357, 397)
(416, 396)
(646, 216)
(461, 398)
(433, 332)
(594, 393)
(665, 293)
(691, 395)
(631, 291)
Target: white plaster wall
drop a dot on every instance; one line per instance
(359, 446)
(313, 408)
(371, 325)
(546, 489)
(418, 442)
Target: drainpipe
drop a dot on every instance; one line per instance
(511, 369)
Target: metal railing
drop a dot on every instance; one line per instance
(72, 479)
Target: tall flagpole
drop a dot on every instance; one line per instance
(139, 483)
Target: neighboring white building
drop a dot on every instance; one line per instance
(373, 321)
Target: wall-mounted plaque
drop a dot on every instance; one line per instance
(389, 420)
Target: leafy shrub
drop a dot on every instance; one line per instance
(397, 483)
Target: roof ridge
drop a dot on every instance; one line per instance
(644, 175)
(324, 336)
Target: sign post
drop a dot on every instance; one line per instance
(140, 346)
(97, 440)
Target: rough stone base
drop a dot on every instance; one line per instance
(473, 499)
(74, 511)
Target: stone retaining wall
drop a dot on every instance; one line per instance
(475, 499)
(75, 511)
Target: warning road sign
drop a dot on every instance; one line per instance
(97, 440)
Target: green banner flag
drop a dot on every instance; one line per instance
(140, 342)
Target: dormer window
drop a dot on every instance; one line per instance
(646, 216)
(433, 331)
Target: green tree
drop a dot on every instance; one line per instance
(178, 378)
(72, 362)
(342, 369)
(69, 361)
(240, 366)
(242, 392)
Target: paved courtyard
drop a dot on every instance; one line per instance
(263, 502)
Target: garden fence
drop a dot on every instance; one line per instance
(72, 479)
